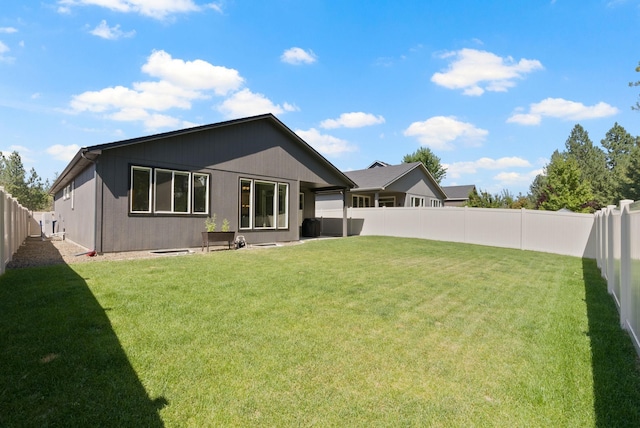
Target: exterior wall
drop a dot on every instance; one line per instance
(553, 232)
(455, 203)
(414, 183)
(225, 153)
(75, 216)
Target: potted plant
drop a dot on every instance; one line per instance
(211, 235)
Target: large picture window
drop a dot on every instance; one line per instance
(264, 205)
(168, 191)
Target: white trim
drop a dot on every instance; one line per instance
(150, 171)
(360, 201)
(195, 175)
(172, 191)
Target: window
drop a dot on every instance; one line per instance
(172, 191)
(140, 190)
(264, 205)
(387, 201)
(200, 194)
(245, 204)
(167, 191)
(359, 201)
(436, 203)
(416, 201)
(283, 199)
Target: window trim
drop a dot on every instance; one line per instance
(149, 196)
(435, 203)
(360, 198)
(152, 196)
(276, 205)
(173, 188)
(388, 199)
(207, 201)
(413, 199)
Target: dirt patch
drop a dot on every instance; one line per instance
(36, 251)
(45, 252)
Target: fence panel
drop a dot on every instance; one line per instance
(560, 233)
(14, 225)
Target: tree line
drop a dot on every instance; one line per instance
(583, 177)
(28, 189)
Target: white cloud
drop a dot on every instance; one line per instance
(562, 109)
(246, 103)
(110, 33)
(181, 83)
(198, 74)
(3, 50)
(326, 144)
(439, 132)
(516, 178)
(63, 153)
(352, 120)
(456, 169)
(8, 30)
(158, 9)
(476, 71)
(298, 56)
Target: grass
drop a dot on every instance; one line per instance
(363, 331)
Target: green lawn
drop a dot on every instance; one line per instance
(362, 331)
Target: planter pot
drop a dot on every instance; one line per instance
(227, 237)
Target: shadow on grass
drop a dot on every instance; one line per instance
(61, 364)
(616, 372)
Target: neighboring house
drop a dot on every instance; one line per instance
(384, 185)
(155, 192)
(458, 196)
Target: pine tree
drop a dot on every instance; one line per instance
(618, 144)
(565, 186)
(592, 164)
(630, 187)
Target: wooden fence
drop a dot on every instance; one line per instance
(14, 227)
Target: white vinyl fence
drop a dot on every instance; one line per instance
(618, 257)
(552, 232)
(14, 227)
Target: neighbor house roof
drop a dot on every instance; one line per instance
(460, 193)
(373, 179)
(87, 155)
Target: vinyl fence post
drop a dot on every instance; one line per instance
(625, 264)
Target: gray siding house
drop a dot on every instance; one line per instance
(457, 196)
(155, 192)
(384, 185)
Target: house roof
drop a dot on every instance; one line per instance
(88, 155)
(380, 178)
(459, 192)
(378, 164)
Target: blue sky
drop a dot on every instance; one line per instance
(492, 87)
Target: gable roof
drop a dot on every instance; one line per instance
(378, 164)
(87, 155)
(380, 178)
(459, 192)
